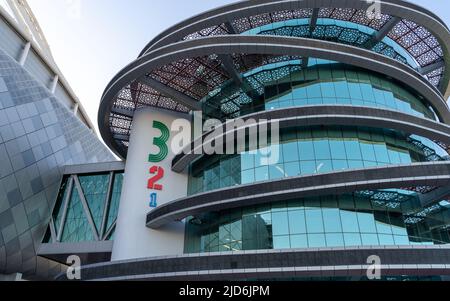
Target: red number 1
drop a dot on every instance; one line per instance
(159, 171)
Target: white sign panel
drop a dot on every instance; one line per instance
(148, 183)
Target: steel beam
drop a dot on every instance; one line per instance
(123, 112)
(87, 211)
(382, 33)
(106, 205)
(121, 137)
(66, 208)
(167, 91)
(230, 28)
(313, 20)
(430, 68)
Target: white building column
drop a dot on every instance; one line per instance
(54, 83)
(76, 106)
(24, 55)
(132, 238)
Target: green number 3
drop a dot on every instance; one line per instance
(160, 142)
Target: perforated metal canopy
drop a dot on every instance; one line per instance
(404, 34)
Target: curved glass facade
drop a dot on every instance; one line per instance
(310, 150)
(288, 84)
(369, 218)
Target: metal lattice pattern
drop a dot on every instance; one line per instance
(131, 98)
(415, 39)
(419, 42)
(194, 77)
(208, 76)
(338, 34)
(355, 16)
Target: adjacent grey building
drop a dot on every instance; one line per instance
(43, 127)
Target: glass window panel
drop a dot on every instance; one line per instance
(379, 97)
(247, 161)
(308, 167)
(405, 158)
(341, 89)
(367, 151)
(292, 169)
(306, 150)
(298, 102)
(367, 92)
(349, 221)
(299, 93)
(314, 221)
(224, 234)
(332, 220)
(335, 240)
(248, 176)
(280, 223)
(383, 228)
(316, 240)
(386, 239)
(369, 239)
(324, 166)
(355, 164)
(390, 100)
(236, 230)
(95, 190)
(355, 91)
(249, 227)
(262, 173)
(352, 239)
(394, 156)
(290, 152)
(381, 153)
(340, 165)
(297, 223)
(314, 91)
(76, 228)
(322, 149)
(281, 242)
(328, 90)
(315, 101)
(338, 149)
(366, 222)
(299, 241)
(353, 150)
(276, 172)
(396, 230)
(368, 164)
(401, 240)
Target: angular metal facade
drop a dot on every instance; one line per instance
(39, 135)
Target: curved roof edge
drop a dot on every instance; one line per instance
(49, 63)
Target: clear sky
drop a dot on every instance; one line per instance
(92, 40)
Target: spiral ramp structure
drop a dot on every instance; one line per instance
(365, 138)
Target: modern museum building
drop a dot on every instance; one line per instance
(358, 92)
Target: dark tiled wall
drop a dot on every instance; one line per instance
(38, 136)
